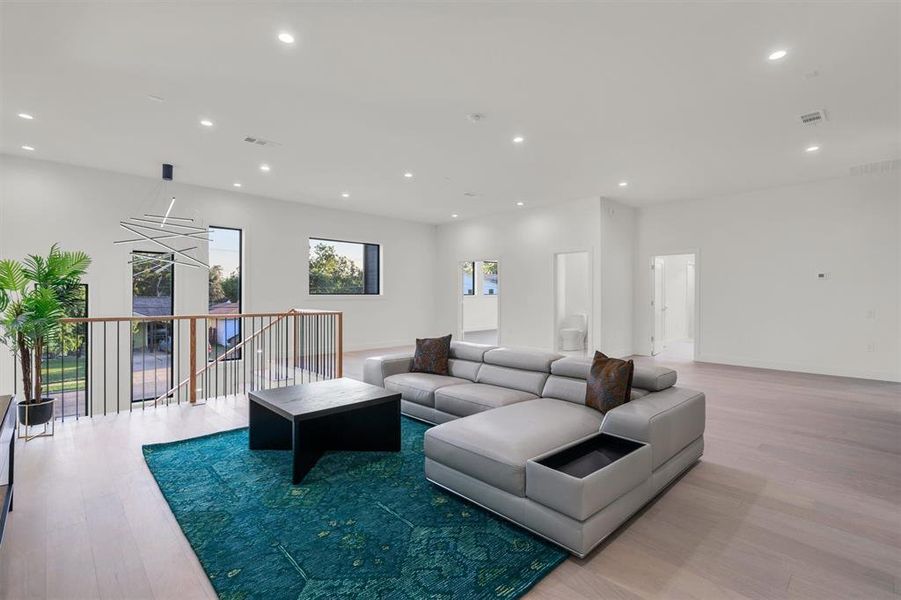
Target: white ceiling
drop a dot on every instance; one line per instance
(678, 99)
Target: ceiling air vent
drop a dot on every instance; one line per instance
(877, 168)
(812, 118)
(258, 141)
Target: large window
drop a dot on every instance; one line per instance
(469, 278)
(489, 278)
(344, 268)
(152, 289)
(224, 291)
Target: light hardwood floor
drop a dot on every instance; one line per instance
(797, 496)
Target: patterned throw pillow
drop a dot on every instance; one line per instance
(609, 382)
(431, 355)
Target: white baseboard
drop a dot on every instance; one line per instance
(798, 367)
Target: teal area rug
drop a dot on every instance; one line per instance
(362, 525)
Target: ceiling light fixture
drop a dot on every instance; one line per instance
(777, 55)
(408, 175)
(29, 148)
(454, 216)
(345, 194)
(811, 148)
(206, 122)
(520, 204)
(518, 139)
(237, 184)
(25, 116)
(286, 38)
(265, 168)
(623, 184)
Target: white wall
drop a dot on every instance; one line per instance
(617, 278)
(43, 202)
(524, 242)
(760, 302)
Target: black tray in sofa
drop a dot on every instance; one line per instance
(590, 456)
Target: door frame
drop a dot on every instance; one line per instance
(589, 338)
(696, 321)
(476, 292)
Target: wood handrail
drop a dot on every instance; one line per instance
(211, 317)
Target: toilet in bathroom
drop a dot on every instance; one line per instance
(573, 331)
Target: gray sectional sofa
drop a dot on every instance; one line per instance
(514, 436)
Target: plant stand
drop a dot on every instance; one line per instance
(49, 427)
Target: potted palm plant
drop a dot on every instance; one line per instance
(35, 294)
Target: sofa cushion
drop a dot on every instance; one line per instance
(420, 387)
(573, 390)
(653, 377)
(493, 446)
(517, 379)
(530, 360)
(431, 355)
(469, 399)
(647, 376)
(469, 350)
(609, 382)
(466, 369)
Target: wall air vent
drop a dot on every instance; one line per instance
(258, 141)
(812, 118)
(877, 168)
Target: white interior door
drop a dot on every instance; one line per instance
(659, 305)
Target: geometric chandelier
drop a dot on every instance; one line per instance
(165, 230)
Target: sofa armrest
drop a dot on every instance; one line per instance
(376, 368)
(668, 420)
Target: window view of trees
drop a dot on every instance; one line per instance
(343, 267)
(469, 279)
(224, 291)
(489, 278)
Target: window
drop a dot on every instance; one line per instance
(344, 268)
(224, 292)
(152, 286)
(469, 279)
(489, 278)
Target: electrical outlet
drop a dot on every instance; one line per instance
(822, 275)
(871, 313)
(871, 347)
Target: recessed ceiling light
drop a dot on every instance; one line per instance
(518, 139)
(206, 122)
(286, 38)
(408, 175)
(454, 216)
(623, 183)
(778, 54)
(25, 116)
(811, 148)
(29, 148)
(155, 98)
(237, 184)
(264, 167)
(345, 195)
(520, 204)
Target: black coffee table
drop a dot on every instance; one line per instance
(311, 418)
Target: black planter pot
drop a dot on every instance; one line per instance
(38, 412)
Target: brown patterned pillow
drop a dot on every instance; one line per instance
(431, 355)
(609, 382)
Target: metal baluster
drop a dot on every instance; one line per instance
(104, 369)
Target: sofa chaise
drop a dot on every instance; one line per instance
(514, 436)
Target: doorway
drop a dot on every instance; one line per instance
(674, 306)
(573, 316)
(479, 292)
